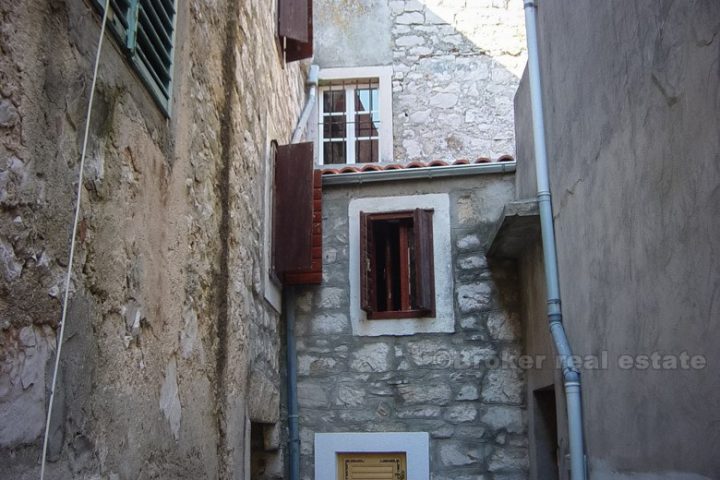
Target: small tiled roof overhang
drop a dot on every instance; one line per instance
(379, 167)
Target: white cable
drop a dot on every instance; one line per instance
(72, 242)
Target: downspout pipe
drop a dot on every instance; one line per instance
(312, 82)
(293, 423)
(571, 374)
(289, 307)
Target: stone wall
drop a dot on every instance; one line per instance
(449, 385)
(170, 346)
(456, 67)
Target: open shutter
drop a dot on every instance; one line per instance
(293, 209)
(424, 260)
(296, 25)
(313, 276)
(146, 30)
(368, 297)
(152, 46)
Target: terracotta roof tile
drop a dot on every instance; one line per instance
(377, 167)
(437, 163)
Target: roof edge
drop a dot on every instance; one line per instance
(420, 173)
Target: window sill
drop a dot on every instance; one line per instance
(395, 314)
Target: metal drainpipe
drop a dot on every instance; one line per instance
(289, 308)
(293, 424)
(571, 375)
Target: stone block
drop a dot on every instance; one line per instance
(312, 395)
(461, 413)
(329, 323)
(444, 100)
(474, 297)
(510, 419)
(430, 353)
(509, 459)
(350, 395)
(504, 385)
(409, 41)
(460, 454)
(504, 326)
(373, 357)
(410, 18)
(331, 298)
(419, 412)
(468, 392)
(433, 394)
(468, 243)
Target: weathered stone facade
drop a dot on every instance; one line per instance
(171, 348)
(456, 65)
(460, 387)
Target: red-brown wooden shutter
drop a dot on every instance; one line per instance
(296, 25)
(313, 276)
(424, 260)
(293, 209)
(368, 297)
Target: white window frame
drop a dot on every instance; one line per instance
(444, 319)
(415, 445)
(383, 74)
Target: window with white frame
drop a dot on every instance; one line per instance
(354, 115)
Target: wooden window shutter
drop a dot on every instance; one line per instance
(312, 276)
(295, 23)
(293, 209)
(368, 297)
(376, 466)
(146, 32)
(424, 260)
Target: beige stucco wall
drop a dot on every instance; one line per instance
(632, 96)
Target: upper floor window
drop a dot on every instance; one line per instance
(146, 32)
(354, 115)
(350, 121)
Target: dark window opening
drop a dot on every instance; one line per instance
(397, 278)
(545, 432)
(265, 458)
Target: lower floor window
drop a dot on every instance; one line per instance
(376, 466)
(375, 455)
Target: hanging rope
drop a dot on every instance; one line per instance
(78, 198)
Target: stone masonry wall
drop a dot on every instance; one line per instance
(457, 65)
(170, 346)
(449, 385)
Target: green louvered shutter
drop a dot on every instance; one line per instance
(146, 29)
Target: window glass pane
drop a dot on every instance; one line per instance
(334, 152)
(367, 151)
(376, 120)
(366, 99)
(365, 129)
(334, 101)
(334, 126)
